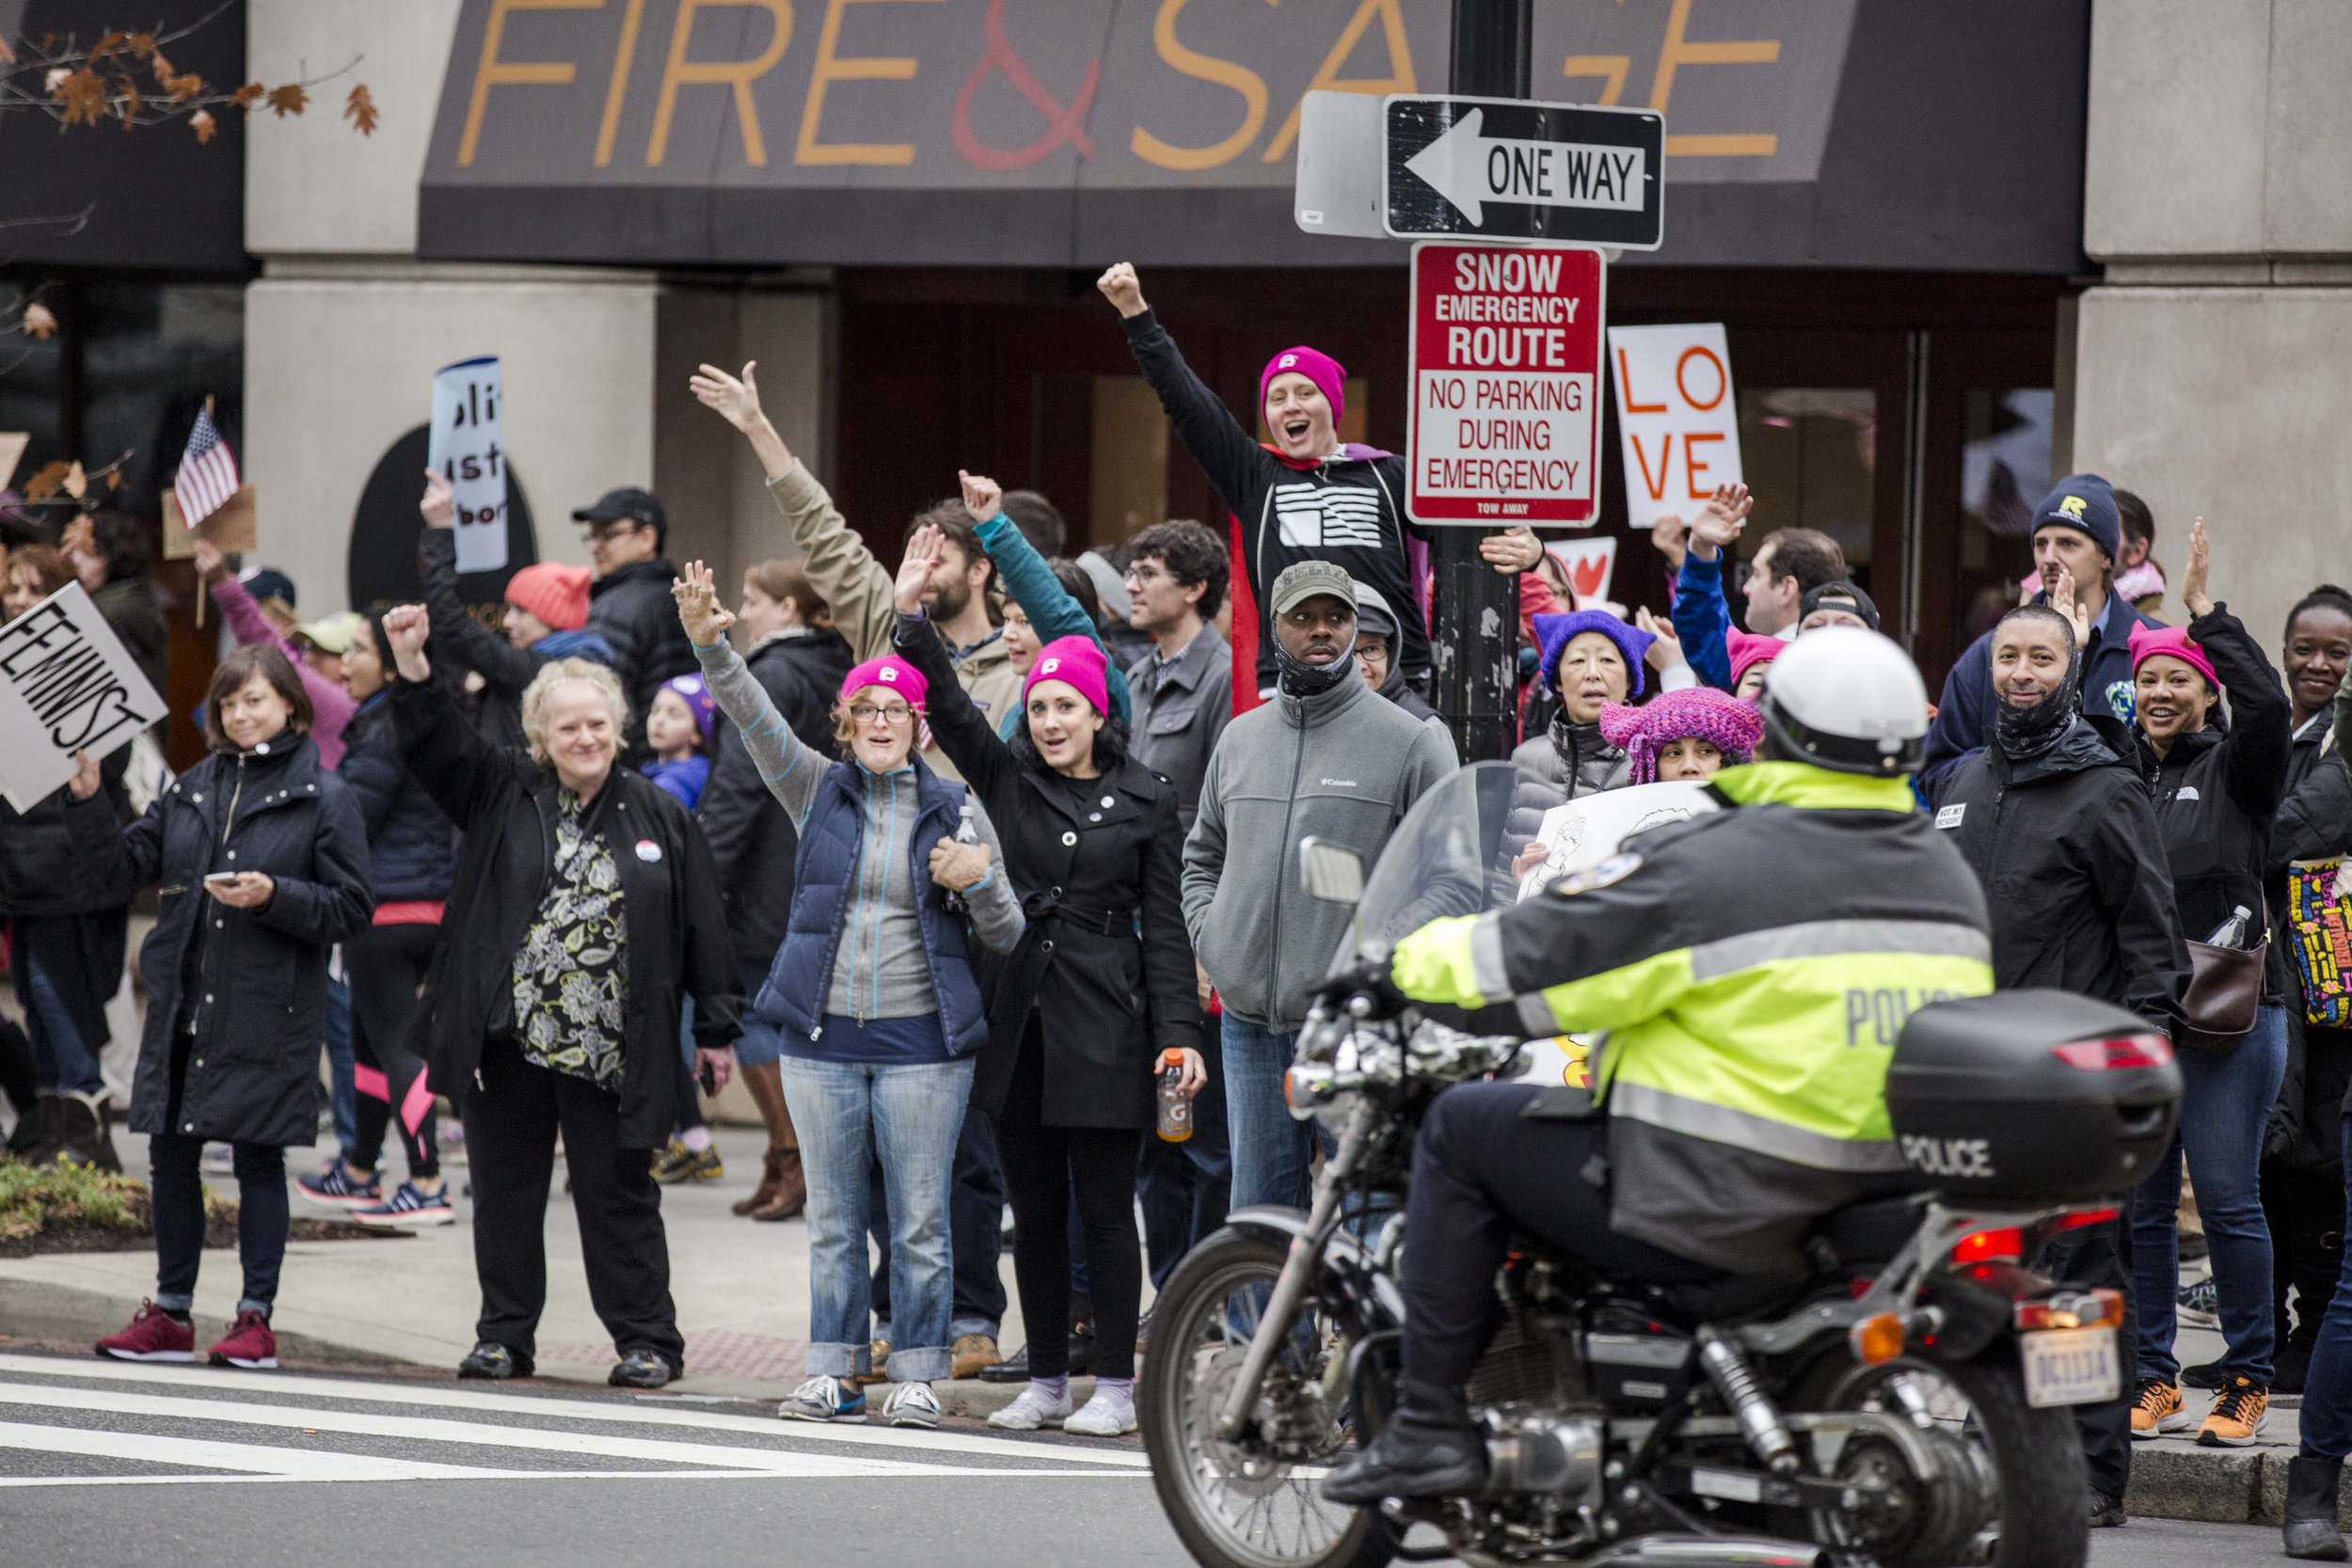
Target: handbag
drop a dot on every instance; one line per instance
(2225, 986)
(2319, 925)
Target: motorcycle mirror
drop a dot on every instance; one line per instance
(1331, 873)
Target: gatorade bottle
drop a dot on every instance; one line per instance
(1175, 1104)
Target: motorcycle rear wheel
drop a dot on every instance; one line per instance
(1239, 1504)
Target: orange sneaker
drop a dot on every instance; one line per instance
(2236, 1421)
(2156, 1409)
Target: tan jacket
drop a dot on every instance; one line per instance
(861, 594)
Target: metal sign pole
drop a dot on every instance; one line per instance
(1474, 631)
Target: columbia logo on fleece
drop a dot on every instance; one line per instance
(1338, 784)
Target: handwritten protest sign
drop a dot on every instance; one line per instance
(66, 684)
(1588, 830)
(1678, 420)
(465, 449)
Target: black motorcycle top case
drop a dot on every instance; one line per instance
(1984, 1107)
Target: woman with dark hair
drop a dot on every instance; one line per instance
(1079, 1014)
(330, 702)
(411, 846)
(264, 862)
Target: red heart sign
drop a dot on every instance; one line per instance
(1587, 575)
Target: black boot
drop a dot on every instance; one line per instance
(47, 1135)
(1429, 1449)
(2311, 1519)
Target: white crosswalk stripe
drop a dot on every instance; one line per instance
(122, 1419)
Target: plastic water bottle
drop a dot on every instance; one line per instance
(2232, 933)
(1175, 1104)
(965, 833)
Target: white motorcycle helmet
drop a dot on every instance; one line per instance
(1846, 699)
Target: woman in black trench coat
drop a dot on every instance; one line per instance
(1080, 1012)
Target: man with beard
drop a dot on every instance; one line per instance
(2055, 821)
(1327, 757)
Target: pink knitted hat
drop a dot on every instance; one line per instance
(1747, 649)
(1695, 713)
(1075, 662)
(890, 670)
(556, 593)
(1328, 374)
(2147, 641)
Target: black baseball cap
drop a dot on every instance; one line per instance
(636, 506)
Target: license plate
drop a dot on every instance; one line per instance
(2070, 1366)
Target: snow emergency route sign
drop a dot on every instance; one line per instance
(1506, 362)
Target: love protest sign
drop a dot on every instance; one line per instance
(67, 684)
(1677, 418)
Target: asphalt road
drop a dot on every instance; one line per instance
(122, 1466)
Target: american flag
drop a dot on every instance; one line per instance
(208, 472)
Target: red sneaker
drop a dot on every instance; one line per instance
(250, 1343)
(151, 1337)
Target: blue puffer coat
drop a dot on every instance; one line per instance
(410, 841)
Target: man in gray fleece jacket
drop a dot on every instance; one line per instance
(1327, 757)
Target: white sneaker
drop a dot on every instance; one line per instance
(912, 1404)
(1104, 1416)
(825, 1399)
(1033, 1408)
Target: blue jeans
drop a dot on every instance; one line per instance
(2225, 1106)
(60, 1059)
(2327, 1414)
(1270, 1151)
(342, 1094)
(848, 1115)
(976, 1226)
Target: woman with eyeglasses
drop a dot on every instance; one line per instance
(874, 995)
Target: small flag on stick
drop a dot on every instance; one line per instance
(208, 471)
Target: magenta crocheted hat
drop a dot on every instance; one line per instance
(1697, 713)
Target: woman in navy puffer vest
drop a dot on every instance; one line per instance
(874, 995)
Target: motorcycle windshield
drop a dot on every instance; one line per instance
(1448, 857)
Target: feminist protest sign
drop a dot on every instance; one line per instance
(1676, 417)
(465, 449)
(66, 684)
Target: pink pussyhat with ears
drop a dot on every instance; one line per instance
(2148, 642)
(1328, 374)
(1075, 661)
(890, 670)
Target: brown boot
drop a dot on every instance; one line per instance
(766, 1192)
(792, 1188)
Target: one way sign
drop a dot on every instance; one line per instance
(1502, 168)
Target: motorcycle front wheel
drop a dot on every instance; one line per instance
(1255, 1502)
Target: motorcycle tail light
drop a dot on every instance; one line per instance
(2082, 1310)
(1877, 1339)
(2007, 1244)
(2077, 1220)
(2116, 1053)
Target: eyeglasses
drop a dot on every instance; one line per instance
(893, 713)
(1147, 575)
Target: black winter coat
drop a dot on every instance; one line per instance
(1089, 857)
(255, 980)
(751, 834)
(410, 842)
(630, 608)
(505, 805)
(2218, 788)
(2073, 870)
(2314, 822)
(41, 869)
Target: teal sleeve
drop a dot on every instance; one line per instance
(1052, 611)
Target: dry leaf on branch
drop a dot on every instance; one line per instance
(40, 320)
(201, 123)
(107, 45)
(288, 100)
(141, 44)
(84, 96)
(183, 88)
(247, 96)
(55, 79)
(45, 481)
(161, 67)
(76, 482)
(8, 55)
(359, 108)
(129, 108)
(114, 479)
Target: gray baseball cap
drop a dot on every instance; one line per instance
(1306, 579)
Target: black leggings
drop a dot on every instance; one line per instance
(1042, 1166)
(387, 964)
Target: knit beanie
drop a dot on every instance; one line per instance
(698, 701)
(890, 670)
(2148, 642)
(1552, 633)
(1748, 649)
(1695, 713)
(556, 593)
(1075, 662)
(2086, 503)
(1328, 374)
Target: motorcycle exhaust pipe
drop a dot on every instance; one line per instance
(1708, 1551)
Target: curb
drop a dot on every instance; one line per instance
(68, 1314)
(2220, 1486)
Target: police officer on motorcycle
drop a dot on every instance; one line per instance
(1752, 968)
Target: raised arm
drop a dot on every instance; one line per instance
(452, 762)
(1227, 453)
(1050, 608)
(2261, 742)
(983, 758)
(504, 667)
(791, 769)
(839, 566)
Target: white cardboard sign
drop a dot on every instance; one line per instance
(67, 684)
(1678, 421)
(1588, 830)
(466, 450)
(1589, 562)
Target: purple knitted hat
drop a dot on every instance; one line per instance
(1552, 633)
(1696, 713)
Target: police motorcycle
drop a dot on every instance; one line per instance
(1906, 1403)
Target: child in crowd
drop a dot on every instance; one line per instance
(1691, 734)
(1749, 652)
(677, 727)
